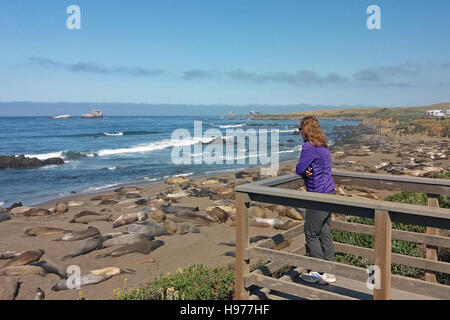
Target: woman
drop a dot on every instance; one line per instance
(315, 167)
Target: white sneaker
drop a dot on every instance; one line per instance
(313, 277)
(330, 278)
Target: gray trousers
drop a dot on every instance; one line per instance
(319, 242)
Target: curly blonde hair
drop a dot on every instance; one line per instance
(313, 132)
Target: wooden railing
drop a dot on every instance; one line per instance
(280, 191)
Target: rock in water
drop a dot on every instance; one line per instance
(22, 162)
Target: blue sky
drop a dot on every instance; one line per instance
(226, 52)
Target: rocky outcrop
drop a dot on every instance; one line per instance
(22, 162)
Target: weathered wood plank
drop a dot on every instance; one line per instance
(431, 251)
(368, 253)
(435, 290)
(242, 265)
(416, 237)
(383, 251)
(292, 288)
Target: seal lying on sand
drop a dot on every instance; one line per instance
(125, 239)
(175, 209)
(185, 228)
(45, 231)
(25, 258)
(85, 280)
(111, 271)
(86, 213)
(88, 245)
(144, 247)
(149, 230)
(51, 267)
(130, 218)
(22, 270)
(10, 254)
(4, 217)
(87, 219)
(80, 235)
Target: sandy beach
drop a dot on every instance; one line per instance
(180, 251)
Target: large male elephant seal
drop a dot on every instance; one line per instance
(125, 239)
(25, 258)
(88, 245)
(144, 247)
(80, 235)
(45, 231)
(85, 280)
(149, 230)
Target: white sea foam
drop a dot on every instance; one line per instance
(225, 126)
(113, 134)
(44, 156)
(106, 186)
(2, 203)
(153, 146)
(112, 168)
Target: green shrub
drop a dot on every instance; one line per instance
(398, 246)
(197, 282)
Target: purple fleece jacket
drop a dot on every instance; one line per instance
(320, 160)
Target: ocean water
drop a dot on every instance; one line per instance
(115, 151)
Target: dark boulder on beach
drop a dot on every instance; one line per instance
(22, 162)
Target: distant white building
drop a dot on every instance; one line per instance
(447, 113)
(435, 113)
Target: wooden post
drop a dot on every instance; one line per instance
(383, 251)
(431, 251)
(242, 265)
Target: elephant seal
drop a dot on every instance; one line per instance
(22, 270)
(125, 239)
(10, 288)
(148, 230)
(111, 271)
(88, 245)
(130, 218)
(4, 217)
(85, 280)
(86, 213)
(185, 228)
(37, 212)
(25, 258)
(10, 254)
(39, 295)
(144, 247)
(51, 267)
(45, 231)
(87, 219)
(189, 216)
(80, 235)
(175, 209)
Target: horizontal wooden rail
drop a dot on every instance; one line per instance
(368, 253)
(399, 212)
(372, 180)
(416, 237)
